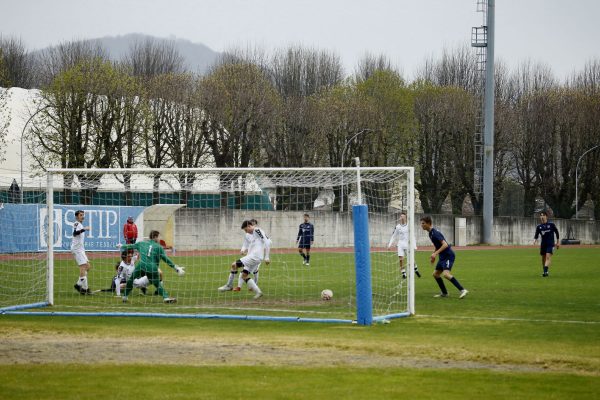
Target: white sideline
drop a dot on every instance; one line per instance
(558, 321)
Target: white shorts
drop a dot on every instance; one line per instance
(80, 257)
(251, 264)
(402, 249)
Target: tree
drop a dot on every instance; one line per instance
(58, 59)
(393, 123)
(240, 105)
(369, 64)
(18, 64)
(456, 67)
(299, 71)
(299, 75)
(186, 124)
(456, 70)
(4, 111)
(587, 82)
(119, 119)
(504, 125)
(152, 57)
(83, 119)
(528, 87)
(445, 125)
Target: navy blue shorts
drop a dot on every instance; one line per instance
(304, 246)
(546, 250)
(445, 263)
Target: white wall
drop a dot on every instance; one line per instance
(212, 229)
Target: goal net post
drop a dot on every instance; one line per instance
(199, 214)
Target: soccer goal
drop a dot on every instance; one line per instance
(199, 214)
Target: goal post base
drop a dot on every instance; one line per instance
(391, 316)
(11, 309)
(15, 311)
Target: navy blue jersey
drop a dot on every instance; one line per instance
(547, 231)
(306, 233)
(437, 238)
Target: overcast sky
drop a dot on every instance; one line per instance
(562, 33)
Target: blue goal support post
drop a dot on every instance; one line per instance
(315, 232)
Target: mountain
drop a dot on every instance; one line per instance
(197, 57)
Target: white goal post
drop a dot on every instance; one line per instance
(199, 215)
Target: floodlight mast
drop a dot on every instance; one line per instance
(482, 38)
(488, 139)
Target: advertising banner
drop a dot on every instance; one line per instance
(23, 227)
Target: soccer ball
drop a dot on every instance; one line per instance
(326, 294)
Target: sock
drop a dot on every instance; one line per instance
(455, 283)
(161, 290)
(230, 280)
(303, 256)
(83, 282)
(403, 272)
(308, 258)
(545, 269)
(117, 283)
(440, 283)
(240, 281)
(256, 277)
(252, 285)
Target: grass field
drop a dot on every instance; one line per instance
(516, 335)
(290, 288)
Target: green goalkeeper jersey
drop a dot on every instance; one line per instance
(150, 254)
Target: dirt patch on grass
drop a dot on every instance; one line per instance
(18, 347)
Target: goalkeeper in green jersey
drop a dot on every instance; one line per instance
(151, 252)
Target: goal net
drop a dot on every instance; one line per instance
(307, 215)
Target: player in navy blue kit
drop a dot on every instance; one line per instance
(305, 239)
(445, 261)
(547, 230)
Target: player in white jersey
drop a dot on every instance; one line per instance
(78, 250)
(244, 251)
(124, 270)
(400, 235)
(259, 249)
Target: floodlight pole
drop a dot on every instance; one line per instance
(342, 164)
(577, 179)
(488, 137)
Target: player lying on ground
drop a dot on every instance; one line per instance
(260, 246)
(446, 259)
(151, 253)
(124, 270)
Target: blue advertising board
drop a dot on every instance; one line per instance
(23, 227)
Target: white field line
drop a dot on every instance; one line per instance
(556, 321)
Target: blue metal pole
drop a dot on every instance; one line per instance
(362, 257)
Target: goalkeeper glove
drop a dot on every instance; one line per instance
(180, 271)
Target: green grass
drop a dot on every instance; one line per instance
(516, 335)
(181, 382)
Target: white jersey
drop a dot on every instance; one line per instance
(260, 245)
(401, 235)
(125, 270)
(78, 237)
(246, 243)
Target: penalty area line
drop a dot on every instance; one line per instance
(556, 321)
